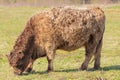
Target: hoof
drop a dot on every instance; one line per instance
(83, 68)
(17, 74)
(48, 71)
(28, 70)
(97, 67)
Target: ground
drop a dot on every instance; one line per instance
(66, 64)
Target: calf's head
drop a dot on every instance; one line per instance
(19, 61)
(19, 57)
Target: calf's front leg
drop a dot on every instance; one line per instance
(30, 66)
(50, 57)
(50, 64)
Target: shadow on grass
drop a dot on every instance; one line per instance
(106, 68)
(67, 70)
(35, 72)
(114, 67)
(45, 72)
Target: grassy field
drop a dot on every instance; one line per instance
(66, 64)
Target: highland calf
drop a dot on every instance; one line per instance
(59, 28)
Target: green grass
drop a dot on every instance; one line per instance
(66, 64)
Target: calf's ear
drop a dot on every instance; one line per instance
(7, 55)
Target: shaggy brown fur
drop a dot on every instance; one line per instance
(59, 28)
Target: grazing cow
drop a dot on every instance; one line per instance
(59, 28)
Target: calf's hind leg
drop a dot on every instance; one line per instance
(97, 55)
(90, 48)
(88, 56)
